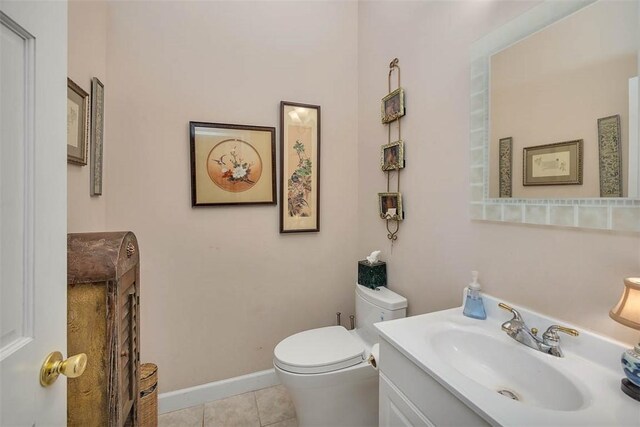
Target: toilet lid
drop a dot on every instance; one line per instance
(319, 350)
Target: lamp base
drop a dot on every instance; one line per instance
(630, 389)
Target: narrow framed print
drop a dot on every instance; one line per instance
(505, 161)
(392, 156)
(553, 164)
(299, 167)
(390, 206)
(610, 153)
(77, 124)
(232, 164)
(97, 135)
(393, 106)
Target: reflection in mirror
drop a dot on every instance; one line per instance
(557, 100)
(553, 86)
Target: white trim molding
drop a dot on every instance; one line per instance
(193, 396)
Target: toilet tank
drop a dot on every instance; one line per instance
(377, 305)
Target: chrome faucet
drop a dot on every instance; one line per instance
(518, 330)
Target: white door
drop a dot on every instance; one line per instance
(33, 194)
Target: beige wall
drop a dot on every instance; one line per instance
(575, 275)
(555, 85)
(87, 33)
(221, 287)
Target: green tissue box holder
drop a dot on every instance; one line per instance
(372, 275)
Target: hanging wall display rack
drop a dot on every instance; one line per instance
(392, 155)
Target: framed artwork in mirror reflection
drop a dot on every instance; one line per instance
(505, 161)
(610, 153)
(553, 164)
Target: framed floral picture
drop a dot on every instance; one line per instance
(232, 164)
(77, 124)
(392, 156)
(299, 167)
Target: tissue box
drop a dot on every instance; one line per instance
(372, 275)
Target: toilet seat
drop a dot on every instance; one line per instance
(319, 350)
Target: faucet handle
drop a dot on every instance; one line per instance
(516, 314)
(552, 331)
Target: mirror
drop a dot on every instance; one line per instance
(554, 117)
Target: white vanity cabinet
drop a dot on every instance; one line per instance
(411, 397)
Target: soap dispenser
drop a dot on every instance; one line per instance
(473, 305)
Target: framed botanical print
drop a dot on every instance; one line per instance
(553, 164)
(299, 167)
(77, 124)
(232, 164)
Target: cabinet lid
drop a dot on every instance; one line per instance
(98, 257)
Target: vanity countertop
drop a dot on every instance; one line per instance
(473, 359)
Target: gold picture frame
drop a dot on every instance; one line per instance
(97, 136)
(553, 164)
(390, 206)
(392, 106)
(232, 164)
(392, 156)
(78, 115)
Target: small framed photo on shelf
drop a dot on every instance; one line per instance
(232, 164)
(393, 106)
(77, 124)
(392, 156)
(390, 206)
(553, 164)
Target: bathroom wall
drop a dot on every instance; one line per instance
(575, 275)
(87, 35)
(220, 286)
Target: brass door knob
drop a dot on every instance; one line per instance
(54, 365)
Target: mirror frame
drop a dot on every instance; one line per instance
(622, 214)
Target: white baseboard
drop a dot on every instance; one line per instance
(192, 396)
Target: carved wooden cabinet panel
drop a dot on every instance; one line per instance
(103, 321)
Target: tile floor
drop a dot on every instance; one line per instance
(267, 407)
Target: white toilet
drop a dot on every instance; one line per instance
(326, 370)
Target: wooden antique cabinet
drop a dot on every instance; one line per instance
(103, 296)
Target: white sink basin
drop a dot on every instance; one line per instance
(507, 370)
(474, 360)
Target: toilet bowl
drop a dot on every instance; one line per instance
(326, 370)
